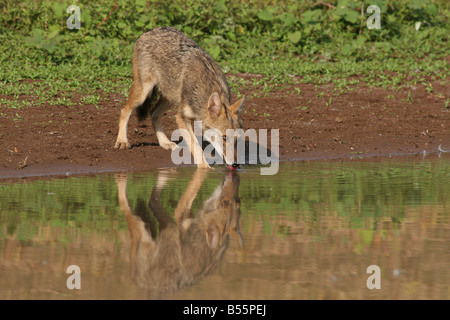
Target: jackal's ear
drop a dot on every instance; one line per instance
(237, 106)
(214, 105)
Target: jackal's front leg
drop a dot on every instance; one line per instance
(122, 140)
(191, 140)
(162, 105)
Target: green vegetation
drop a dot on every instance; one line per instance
(286, 41)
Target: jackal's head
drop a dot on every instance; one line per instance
(224, 120)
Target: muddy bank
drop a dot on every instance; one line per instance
(315, 124)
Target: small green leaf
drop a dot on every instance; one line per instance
(265, 15)
(59, 9)
(416, 4)
(214, 51)
(294, 36)
(351, 16)
(231, 36)
(311, 16)
(141, 3)
(139, 23)
(347, 49)
(431, 9)
(221, 6)
(288, 18)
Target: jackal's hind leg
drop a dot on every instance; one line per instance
(162, 105)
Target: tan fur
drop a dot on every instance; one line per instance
(169, 254)
(168, 62)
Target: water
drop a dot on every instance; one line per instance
(308, 232)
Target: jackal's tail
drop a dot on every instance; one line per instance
(143, 111)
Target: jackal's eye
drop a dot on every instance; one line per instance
(225, 138)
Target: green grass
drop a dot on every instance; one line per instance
(287, 42)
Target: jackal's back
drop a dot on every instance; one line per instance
(184, 72)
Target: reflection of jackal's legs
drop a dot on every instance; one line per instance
(183, 213)
(141, 239)
(161, 215)
(132, 221)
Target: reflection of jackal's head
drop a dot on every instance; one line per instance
(218, 217)
(168, 254)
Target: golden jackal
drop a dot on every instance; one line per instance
(167, 255)
(170, 69)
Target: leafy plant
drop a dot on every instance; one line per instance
(321, 43)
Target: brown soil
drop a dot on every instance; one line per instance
(315, 124)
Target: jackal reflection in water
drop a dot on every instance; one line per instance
(169, 254)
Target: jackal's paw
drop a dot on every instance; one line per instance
(169, 145)
(122, 145)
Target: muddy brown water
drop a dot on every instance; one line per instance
(311, 231)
